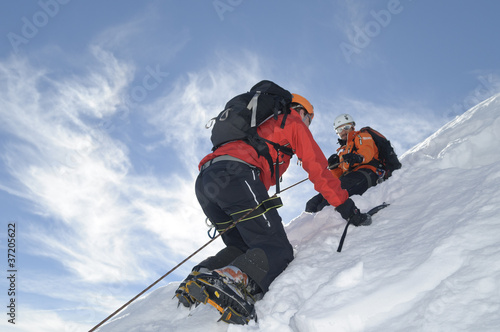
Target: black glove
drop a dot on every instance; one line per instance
(333, 161)
(353, 158)
(360, 219)
(350, 212)
(346, 209)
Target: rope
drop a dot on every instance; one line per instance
(185, 260)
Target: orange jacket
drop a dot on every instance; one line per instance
(297, 136)
(361, 143)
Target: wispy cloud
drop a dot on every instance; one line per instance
(182, 114)
(361, 23)
(80, 179)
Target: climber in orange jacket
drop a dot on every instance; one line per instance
(353, 163)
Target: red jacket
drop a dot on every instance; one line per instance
(297, 136)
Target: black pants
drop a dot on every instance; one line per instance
(259, 246)
(356, 183)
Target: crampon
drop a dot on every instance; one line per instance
(231, 299)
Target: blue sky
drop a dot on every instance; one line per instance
(103, 107)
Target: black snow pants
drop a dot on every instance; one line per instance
(259, 246)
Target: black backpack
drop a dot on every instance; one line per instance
(244, 113)
(388, 160)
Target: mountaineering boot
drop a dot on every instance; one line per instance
(227, 290)
(181, 292)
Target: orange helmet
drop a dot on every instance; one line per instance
(298, 99)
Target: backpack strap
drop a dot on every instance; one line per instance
(279, 148)
(282, 105)
(252, 106)
(284, 120)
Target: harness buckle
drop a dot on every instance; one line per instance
(381, 175)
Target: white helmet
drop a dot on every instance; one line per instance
(343, 119)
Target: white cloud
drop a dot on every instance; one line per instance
(46, 321)
(96, 210)
(181, 115)
(100, 92)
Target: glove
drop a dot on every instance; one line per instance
(353, 158)
(350, 212)
(346, 209)
(333, 161)
(360, 219)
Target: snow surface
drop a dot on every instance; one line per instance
(429, 262)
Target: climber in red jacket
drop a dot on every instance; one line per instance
(235, 178)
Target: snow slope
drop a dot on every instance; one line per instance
(429, 262)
